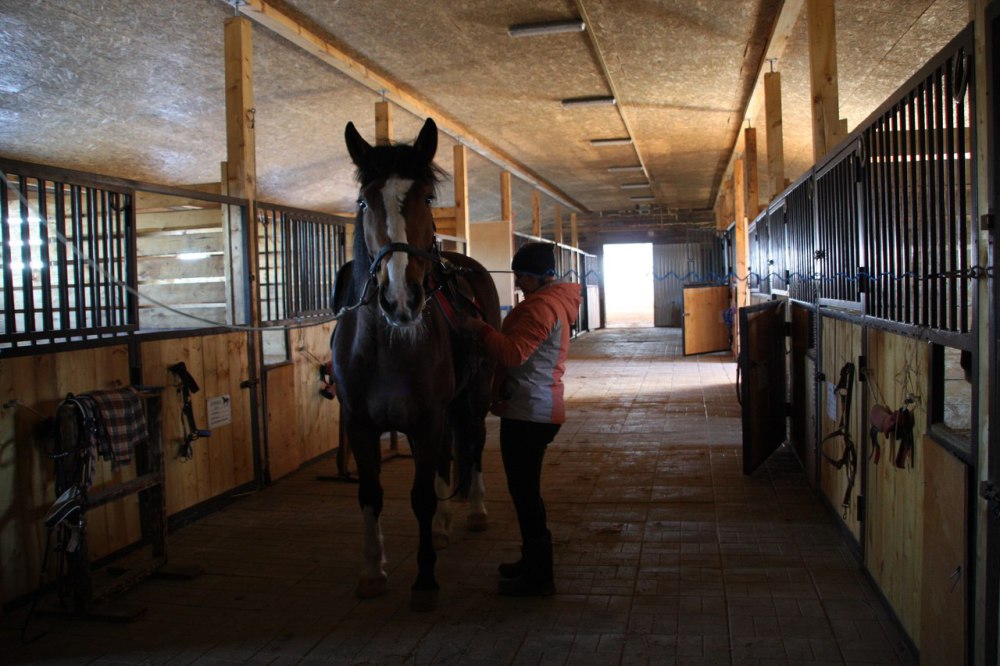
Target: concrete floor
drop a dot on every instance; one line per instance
(665, 553)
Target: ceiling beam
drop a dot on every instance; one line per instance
(323, 47)
(785, 22)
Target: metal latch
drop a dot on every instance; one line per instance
(990, 491)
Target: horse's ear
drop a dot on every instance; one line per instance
(359, 149)
(427, 141)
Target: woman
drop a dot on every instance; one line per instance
(530, 349)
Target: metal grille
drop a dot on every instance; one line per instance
(918, 204)
(777, 260)
(837, 214)
(800, 241)
(299, 254)
(760, 278)
(68, 261)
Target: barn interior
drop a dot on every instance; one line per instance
(814, 172)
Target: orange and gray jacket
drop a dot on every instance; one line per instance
(531, 349)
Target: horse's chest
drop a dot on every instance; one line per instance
(397, 387)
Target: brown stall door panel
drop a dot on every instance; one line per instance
(943, 595)
(763, 381)
(704, 328)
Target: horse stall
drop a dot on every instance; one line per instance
(882, 324)
(235, 406)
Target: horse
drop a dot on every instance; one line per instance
(399, 361)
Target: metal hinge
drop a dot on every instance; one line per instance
(249, 383)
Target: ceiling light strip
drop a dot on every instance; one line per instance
(599, 100)
(546, 28)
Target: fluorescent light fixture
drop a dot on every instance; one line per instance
(643, 198)
(623, 141)
(624, 169)
(192, 256)
(599, 100)
(634, 186)
(546, 28)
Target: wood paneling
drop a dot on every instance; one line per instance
(223, 461)
(841, 345)
(301, 424)
(31, 388)
(898, 367)
(704, 327)
(945, 564)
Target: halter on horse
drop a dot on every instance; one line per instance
(399, 364)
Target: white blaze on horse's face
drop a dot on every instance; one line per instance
(393, 197)
(398, 212)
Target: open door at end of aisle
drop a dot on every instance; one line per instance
(762, 381)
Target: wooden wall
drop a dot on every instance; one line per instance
(841, 344)
(31, 388)
(218, 363)
(301, 423)
(898, 367)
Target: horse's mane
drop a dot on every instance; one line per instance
(400, 160)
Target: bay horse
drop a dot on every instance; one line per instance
(399, 361)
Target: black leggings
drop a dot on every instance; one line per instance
(522, 447)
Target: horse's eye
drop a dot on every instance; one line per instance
(430, 199)
(362, 204)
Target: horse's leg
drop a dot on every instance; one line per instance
(423, 500)
(441, 528)
(470, 435)
(365, 444)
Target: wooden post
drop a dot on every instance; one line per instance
(775, 143)
(557, 217)
(574, 231)
(724, 214)
(240, 177)
(827, 126)
(751, 172)
(462, 197)
(240, 180)
(741, 249)
(383, 124)
(536, 213)
(506, 203)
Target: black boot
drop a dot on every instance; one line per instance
(536, 579)
(512, 569)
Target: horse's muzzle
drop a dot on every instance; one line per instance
(405, 313)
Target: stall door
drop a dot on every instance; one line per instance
(762, 381)
(704, 325)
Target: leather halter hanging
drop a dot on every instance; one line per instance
(849, 458)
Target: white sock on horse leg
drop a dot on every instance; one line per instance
(374, 549)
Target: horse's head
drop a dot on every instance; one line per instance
(394, 220)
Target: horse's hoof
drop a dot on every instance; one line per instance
(478, 522)
(440, 540)
(369, 588)
(423, 601)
